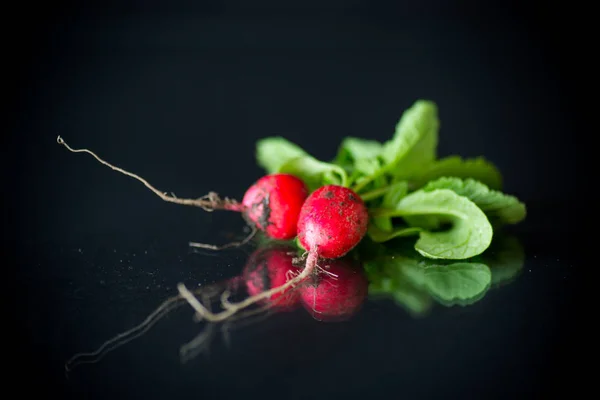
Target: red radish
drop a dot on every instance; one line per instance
(271, 267)
(333, 219)
(337, 293)
(272, 204)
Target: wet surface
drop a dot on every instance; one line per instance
(181, 101)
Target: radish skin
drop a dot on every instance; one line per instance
(334, 219)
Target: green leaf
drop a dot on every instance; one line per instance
(395, 192)
(353, 149)
(359, 157)
(500, 208)
(379, 235)
(413, 146)
(459, 283)
(470, 232)
(415, 141)
(478, 169)
(273, 152)
(315, 173)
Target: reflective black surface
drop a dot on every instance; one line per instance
(181, 99)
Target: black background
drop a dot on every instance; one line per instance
(181, 94)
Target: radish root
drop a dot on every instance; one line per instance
(209, 202)
(227, 245)
(232, 308)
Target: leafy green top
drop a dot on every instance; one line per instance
(452, 204)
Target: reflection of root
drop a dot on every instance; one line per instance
(121, 339)
(227, 245)
(232, 308)
(125, 337)
(331, 274)
(201, 343)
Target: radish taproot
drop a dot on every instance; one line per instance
(272, 204)
(270, 267)
(337, 292)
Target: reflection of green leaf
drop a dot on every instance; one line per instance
(499, 207)
(413, 281)
(388, 280)
(478, 169)
(459, 282)
(470, 232)
(415, 301)
(505, 257)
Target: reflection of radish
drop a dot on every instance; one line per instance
(271, 267)
(337, 292)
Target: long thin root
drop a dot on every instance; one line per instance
(209, 202)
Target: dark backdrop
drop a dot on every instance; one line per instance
(180, 95)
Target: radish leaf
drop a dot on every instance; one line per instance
(470, 231)
(414, 145)
(478, 169)
(353, 149)
(315, 173)
(273, 152)
(500, 208)
(396, 191)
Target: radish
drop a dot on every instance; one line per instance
(271, 267)
(332, 221)
(272, 204)
(337, 293)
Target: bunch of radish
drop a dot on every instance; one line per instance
(328, 222)
(397, 188)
